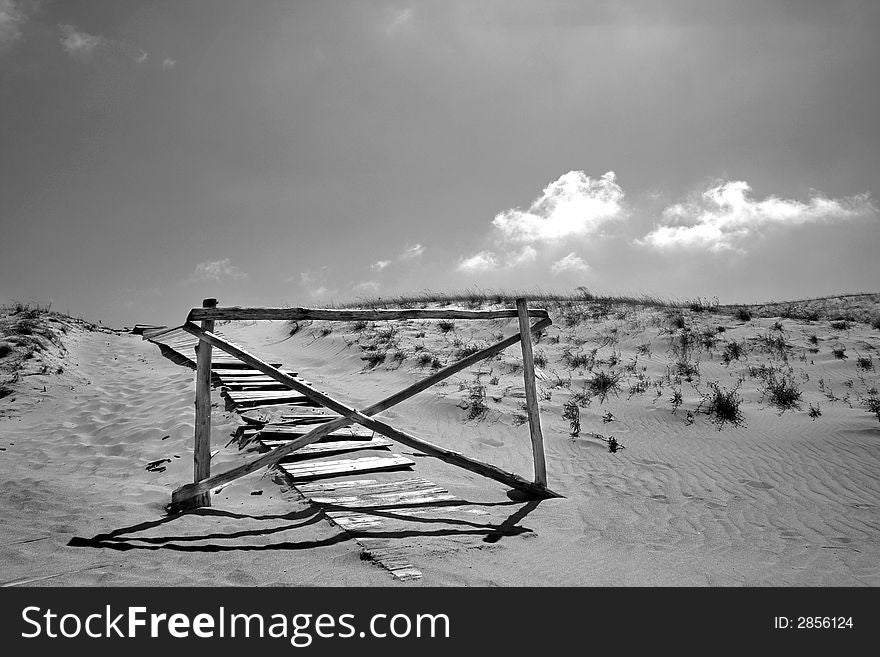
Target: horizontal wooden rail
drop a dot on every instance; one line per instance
(302, 314)
(189, 490)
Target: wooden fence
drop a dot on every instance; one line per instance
(199, 493)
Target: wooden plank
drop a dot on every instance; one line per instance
(261, 403)
(152, 336)
(390, 556)
(301, 417)
(235, 364)
(202, 447)
(141, 329)
(246, 435)
(302, 314)
(334, 447)
(388, 499)
(257, 387)
(179, 343)
(250, 387)
(183, 492)
(318, 469)
(329, 486)
(252, 380)
(309, 418)
(259, 394)
(347, 489)
(248, 397)
(244, 373)
(532, 409)
(290, 431)
(368, 486)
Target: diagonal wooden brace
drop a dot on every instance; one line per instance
(351, 415)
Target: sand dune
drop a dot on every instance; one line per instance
(783, 499)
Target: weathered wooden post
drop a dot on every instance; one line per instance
(202, 447)
(532, 410)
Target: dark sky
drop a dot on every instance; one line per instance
(155, 153)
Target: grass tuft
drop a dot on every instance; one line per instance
(782, 391)
(722, 405)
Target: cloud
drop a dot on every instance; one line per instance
(573, 205)
(140, 59)
(77, 43)
(398, 19)
(526, 255)
(366, 286)
(725, 217)
(12, 17)
(380, 265)
(217, 270)
(482, 261)
(413, 251)
(487, 260)
(571, 262)
(169, 63)
(315, 282)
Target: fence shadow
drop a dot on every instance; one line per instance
(124, 539)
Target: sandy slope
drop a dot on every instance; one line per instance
(782, 500)
(74, 466)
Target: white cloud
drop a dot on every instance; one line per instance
(482, 261)
(724, 217)
(571, 262)
(315, 282)
(12, 17)
(366, 286)
(486, 260)
(217, 270)
(573, 205)
(380, 265)
(398, 19)
(140, 59)
(77, 43)
(169, 63)
(526, 255)
(413, 251)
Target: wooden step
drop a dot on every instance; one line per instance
(254, 387)
(148, 329)
(385, 494)
(308, 418)
(291, 431)
(260, 418)
(317, 469)
(390, 556)
(247, 434)
(258, 394)
(234, 364)
(242, 374)
(238, 398)
(252, 380)
(325, 448)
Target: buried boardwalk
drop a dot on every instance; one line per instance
(784, 499)
(379, 514)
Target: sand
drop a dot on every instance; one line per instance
(781, 500)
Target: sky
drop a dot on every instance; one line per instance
(156, 153)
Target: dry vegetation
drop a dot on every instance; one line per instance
(31, 342)
(697, 356)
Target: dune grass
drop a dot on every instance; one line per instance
(27, 330)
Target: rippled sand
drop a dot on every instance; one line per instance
(783, 500)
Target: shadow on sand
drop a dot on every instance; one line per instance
(124, 538)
